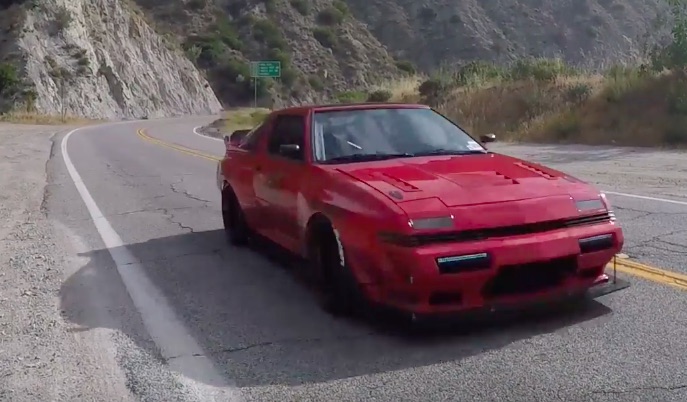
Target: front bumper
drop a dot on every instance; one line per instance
(413, 281)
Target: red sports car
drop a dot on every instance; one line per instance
(397, 206)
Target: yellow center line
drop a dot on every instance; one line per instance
(180, 148)
(633, 268)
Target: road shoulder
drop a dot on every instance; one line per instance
(42, 357)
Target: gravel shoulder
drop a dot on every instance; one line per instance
(42, 357)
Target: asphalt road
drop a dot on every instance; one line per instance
(191, 317)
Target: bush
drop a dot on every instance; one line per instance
(380, 95)
(228, 35)
(330, 16)
(288, 76)
(432, 88)
(342, 7)
(9, 78)
(351, 97)
(478, 73)
(406, 66)
(316, 83)
(301, 6)
(539, 69)
(268, 33)
(578, 93)
(208, 51)
(63, 18)
(326, 37)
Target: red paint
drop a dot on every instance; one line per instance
(368, 201)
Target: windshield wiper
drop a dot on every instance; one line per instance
(367, 157)
(450, 152)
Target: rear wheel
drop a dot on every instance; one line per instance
(235, 225)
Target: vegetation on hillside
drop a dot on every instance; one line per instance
(318, 43)
(547, 100)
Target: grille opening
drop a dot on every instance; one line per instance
(444, 298)
(530, 278)
(462, 264)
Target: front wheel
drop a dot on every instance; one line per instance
(338, 291)
(235, 225)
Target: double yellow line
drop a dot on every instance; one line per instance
(182, 149)
(626, 266)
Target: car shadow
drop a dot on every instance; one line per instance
(261, 326)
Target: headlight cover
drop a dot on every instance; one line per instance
(441, 222)
(595, 204)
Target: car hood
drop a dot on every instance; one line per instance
(466, 180)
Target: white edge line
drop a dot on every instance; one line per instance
(195, 131)
(176, 344)
(644, 197)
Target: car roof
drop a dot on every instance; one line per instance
(350, 106)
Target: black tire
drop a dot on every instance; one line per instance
(338, 291)
(235, 225)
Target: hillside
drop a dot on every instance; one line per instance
(94, 58)
(590, 33)
(136, 58)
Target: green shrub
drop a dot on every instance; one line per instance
(478, 73)
(578, 93)
(301, 6)
(267, 32)
(326, 37)
(406, 66)
(539, 69)
(431, 88)
(315, 82)
(288, 76)
(228, 35)
(351, 97)
(342, 7)
(330, 16)
(380, 95)
(9, 78)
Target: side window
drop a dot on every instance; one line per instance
(251, 140)
(288, 130)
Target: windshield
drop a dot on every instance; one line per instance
(374, 134)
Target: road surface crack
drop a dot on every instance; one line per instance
(275, 343)
(640, 389)
(185, 193)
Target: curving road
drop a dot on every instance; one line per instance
(191, 318)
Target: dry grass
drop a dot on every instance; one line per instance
(40, 119)
(623, 107)
(238, 119)
(404, 90)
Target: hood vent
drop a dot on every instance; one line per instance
(535, 170)
(394, 181)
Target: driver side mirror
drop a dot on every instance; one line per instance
(291, 151)
(487, 138)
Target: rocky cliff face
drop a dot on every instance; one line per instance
(100, 59)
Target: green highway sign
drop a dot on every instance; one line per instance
(265, 69)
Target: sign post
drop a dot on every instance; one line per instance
(263, 69)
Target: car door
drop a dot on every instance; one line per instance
(240, 165)
(278, 183)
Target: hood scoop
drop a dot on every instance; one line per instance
(394, 181)
(481, 179)
(535, 170)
